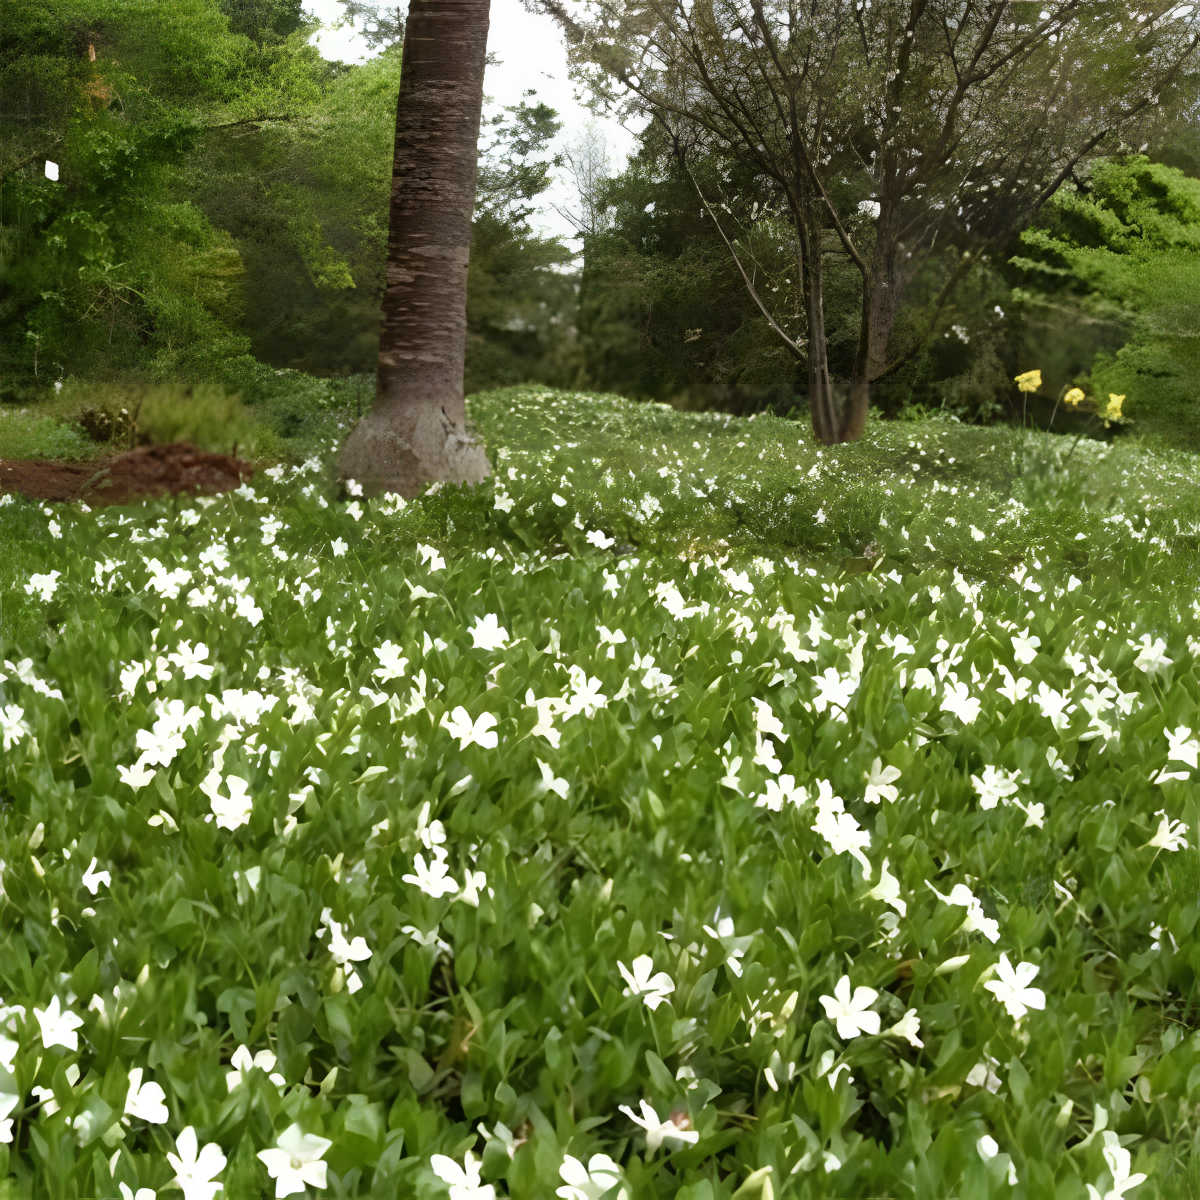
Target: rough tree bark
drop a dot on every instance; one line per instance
(415, 433)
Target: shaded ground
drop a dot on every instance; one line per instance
(126, 477)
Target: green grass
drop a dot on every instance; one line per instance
(693, 639)
(272, 425)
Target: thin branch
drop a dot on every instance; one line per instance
(792, 345)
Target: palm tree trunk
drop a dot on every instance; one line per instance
(416, 432)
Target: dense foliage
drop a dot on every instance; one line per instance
(222, 192)
(1123, 248)
(222, 203)
(1097, 292)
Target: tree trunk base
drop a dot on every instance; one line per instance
(404, 452)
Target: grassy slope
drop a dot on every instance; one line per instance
(646, 805)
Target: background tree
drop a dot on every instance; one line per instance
(663, 311)
(113, 263)
(588, 165)
(416, 431)
(1121, 248)
(963, 123)
(520, 287)
(185, 238)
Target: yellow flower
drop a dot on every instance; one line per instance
(1113, 412)
(1029, 382)
(1073, 397)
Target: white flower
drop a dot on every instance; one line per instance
(766, 721)
(296, 1161)
(146, 1101)
(1035, 814)
(137, 776)
(735, 947)
(464, 1181)
(1117, 1158)
(1170, 835)
(888, 890)
(977, 921)
(1012, 987)
(586, 696)
(907, 1027)
(434, 880)
(431, 556)
(602, 542)
(1013, 689)
(247, 881)
(653, 989)
(194, 1171)
(1055, 705)
(781, 791)
(58, 1026)
(501, 1134)
(843, 833)
(13, 727)
(243, 1064)
(995, 785)
(1151, 658)
(674, 1128)
(481, 731)
(190, 660)
(159, 745)
(127, 1193)
(392, 664)
(552, 782)
(1025, 646)
(234, 810)
(988, 1149)
(592, 1182)
(46, 585)
(343, 951)
(1182, 746)
(851, 1013)
(833, 691)
(982, 1075)
(92, 879)
(8, 1104)
(958, 701)
(488, 634)
(879, 783)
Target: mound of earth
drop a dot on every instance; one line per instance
(148, 471)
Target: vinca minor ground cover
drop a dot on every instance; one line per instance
(687, 812)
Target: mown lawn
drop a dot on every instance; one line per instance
(688, 812)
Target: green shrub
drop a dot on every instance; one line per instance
(38, 435)
(203, 414)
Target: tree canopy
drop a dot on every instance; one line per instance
(958, 122)
(222, 193)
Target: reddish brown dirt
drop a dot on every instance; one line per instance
(128, 477)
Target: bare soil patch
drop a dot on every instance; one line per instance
(176, 468)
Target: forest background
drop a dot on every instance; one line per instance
(220, 214)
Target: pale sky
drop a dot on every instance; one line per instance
(532, 55)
